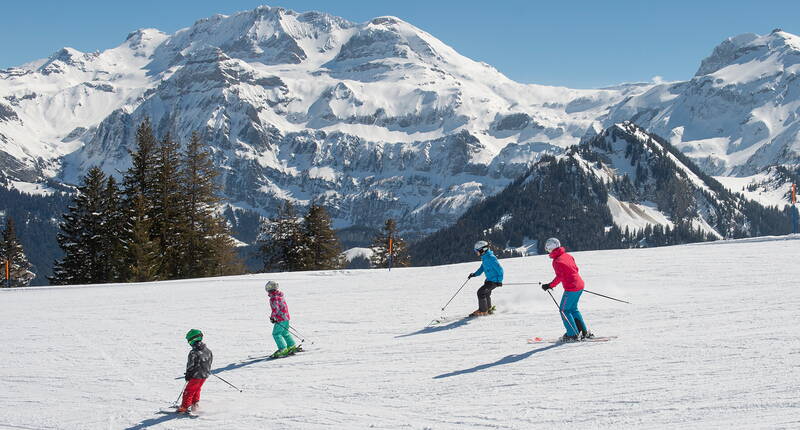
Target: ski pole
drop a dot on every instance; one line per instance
(297, 333)
(454, 295)
(451, 299)
(522, 283)
(234, 386)
(181, 393)
(563, 315)
(596, 294)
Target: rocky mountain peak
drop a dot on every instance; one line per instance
(66, 57)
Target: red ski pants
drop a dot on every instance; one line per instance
(191, 394)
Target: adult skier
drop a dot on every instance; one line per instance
(198, 368)
(280, 320)
(567, 274)
(494, 278)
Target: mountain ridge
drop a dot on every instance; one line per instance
(373, 119)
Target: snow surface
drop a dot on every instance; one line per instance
(707, 343)
(636, 216)
(767, 193)
(353, 253)
(31, 188)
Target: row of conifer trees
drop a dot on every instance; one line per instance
(160, 222)
(291, 243)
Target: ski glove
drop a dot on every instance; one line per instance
(272, 320)
(546, 287)
(471, 275)
(186, 376)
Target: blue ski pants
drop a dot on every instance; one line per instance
(570, 313)
(280, 332)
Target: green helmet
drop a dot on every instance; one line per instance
(193, 336)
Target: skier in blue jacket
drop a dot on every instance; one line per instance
(494, 278)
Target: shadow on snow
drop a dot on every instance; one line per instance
(505, 360)
(237, 365)
(243, 363)
(434, 328)
(165, 416)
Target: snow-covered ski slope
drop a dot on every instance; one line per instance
(709, 342)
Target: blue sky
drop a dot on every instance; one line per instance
(580, 44)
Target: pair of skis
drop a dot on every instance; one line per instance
(444, 319)
(559, 340)
(174, 411)
(271, 357)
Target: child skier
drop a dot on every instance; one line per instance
(567, 274)
(198, 368)
(494, 278)
(280, 319)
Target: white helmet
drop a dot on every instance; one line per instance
(271, 285)
(481, 246)
(551, 244)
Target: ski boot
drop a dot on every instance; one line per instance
(182, 410)
(491, 310)
(195, 406)
(280, 353)
(587, 335)
(295, 349)
(567, 338)
(478, 313)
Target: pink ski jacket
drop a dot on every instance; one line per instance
(280, 311)
(566, 270)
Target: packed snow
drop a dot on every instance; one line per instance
(708, 342)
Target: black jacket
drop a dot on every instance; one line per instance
(199, 364)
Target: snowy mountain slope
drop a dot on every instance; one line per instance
(46, 105)
(771, 187)
(658, 184)
(616, 188)
(372, 119)
(375, 119)
(696, 349)
(738, 114)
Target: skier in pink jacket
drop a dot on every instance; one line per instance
(567, 274)
(280, 318)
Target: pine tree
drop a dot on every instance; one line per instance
(82, 235)
(140, 177)
(221, 257)
(321, 250)
(282, 241)
(208, 249)
(381, 257)
(11, 253)
(168, 221)
(114, 233)
(142, 252)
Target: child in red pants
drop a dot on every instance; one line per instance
(198, 368)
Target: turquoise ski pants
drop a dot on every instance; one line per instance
(569, 307)
(280, 332)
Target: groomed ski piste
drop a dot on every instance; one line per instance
(710, 341)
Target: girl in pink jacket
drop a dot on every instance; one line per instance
(280, 318)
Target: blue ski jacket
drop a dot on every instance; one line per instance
(491, 266)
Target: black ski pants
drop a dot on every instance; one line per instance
(485, 295)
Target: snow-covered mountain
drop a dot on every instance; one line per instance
(373, 119)
(739, 114)
(599, 194)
